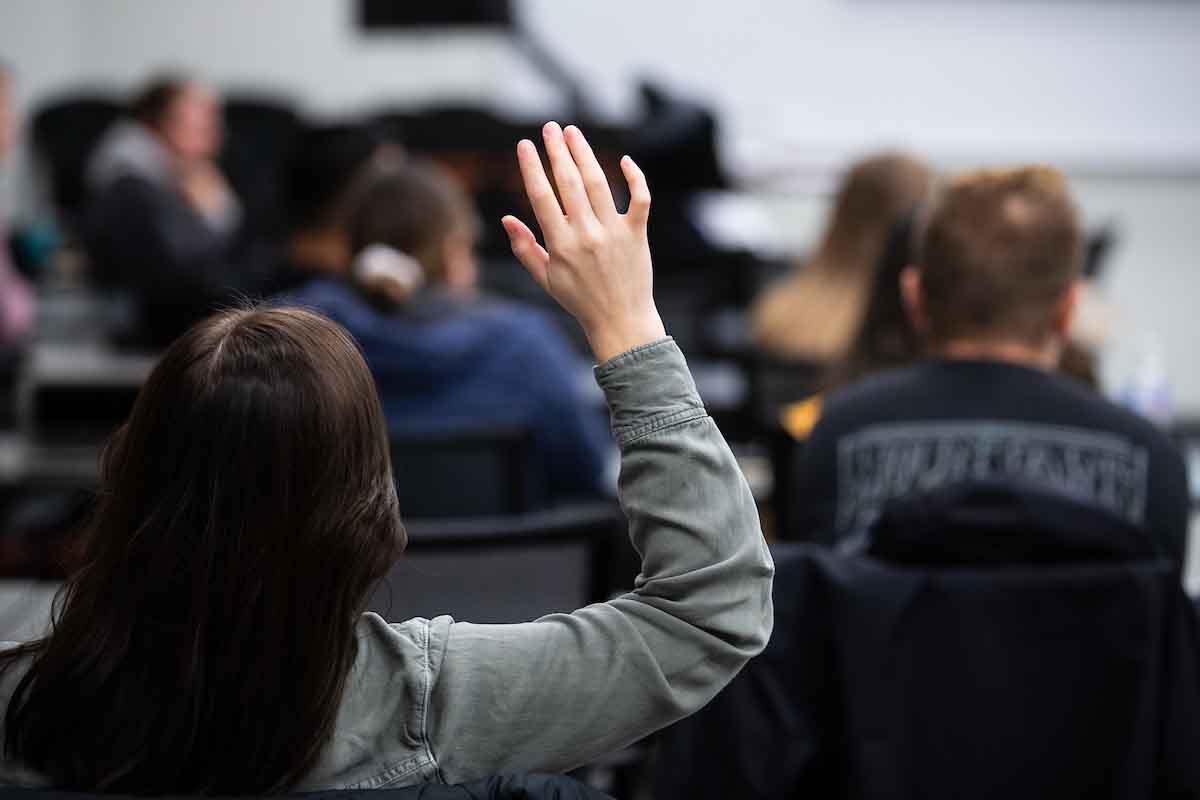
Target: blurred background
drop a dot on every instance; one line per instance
(744, 115)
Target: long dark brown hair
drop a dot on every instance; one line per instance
(813, 313)
(247, 508)
(885, 337)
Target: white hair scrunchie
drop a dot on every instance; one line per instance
(380, 263)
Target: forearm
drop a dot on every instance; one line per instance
(691, 514)
(579, 685)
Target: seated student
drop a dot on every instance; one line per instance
(444, 357)
(992, 295)
(213, 642)
(161, 220)
(17, 303)
(811, 314)
(886, 338)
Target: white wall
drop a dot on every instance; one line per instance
(1105, 87)
(310, 49)
(1097, 84)
(1102, 84)
(1154, 285)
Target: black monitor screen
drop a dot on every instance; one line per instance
(393, 14)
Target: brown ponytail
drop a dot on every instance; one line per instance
(413, 210)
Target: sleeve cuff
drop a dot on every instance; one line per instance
(648, 388)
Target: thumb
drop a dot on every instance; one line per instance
(639, 192)
(525, 247)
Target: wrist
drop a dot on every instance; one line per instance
(610, 340)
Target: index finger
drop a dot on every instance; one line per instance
(537, 187)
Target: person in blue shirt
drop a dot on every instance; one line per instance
(444, 356)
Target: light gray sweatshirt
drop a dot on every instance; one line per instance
(439, 700)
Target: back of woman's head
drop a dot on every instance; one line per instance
(873, 196)
(247, 507)
(420, 212)
(814, 314)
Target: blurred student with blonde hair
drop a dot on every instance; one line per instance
(812, 314)
(991, 294)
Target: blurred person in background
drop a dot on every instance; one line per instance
(812, 314)
(161, 220)
(17, 302)
(327, 169)
(887, 338)
(992, 296)
(445, 357)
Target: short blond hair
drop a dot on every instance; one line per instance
(997, 251)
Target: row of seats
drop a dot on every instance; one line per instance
(261, 129)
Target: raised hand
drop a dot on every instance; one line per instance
(596, 262)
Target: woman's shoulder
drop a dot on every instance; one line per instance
(412, 645)
(805, 315)
(504, 324)
(389, 685)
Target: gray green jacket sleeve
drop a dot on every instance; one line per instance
(558, 692)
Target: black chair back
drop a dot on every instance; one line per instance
(776, 384)
(898, 681)
(466, 473)
(64, 134)
(261, 132)
(506, 569)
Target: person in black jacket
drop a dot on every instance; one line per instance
(991, 298)
(161, 220)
